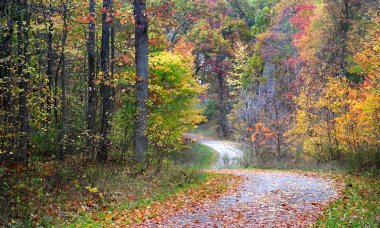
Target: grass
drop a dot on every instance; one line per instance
(196, 158)
(53, 194)
(200, 156)
(97, 195)
(359, 205)
(152, 190)
(168, 201)
(207, 130)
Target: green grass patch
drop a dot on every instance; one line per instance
(199, 156)
(359, 205)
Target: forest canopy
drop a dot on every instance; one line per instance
(289, 79)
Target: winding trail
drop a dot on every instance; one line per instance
(228, 153)
(264, 199)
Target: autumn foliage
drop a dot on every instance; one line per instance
(313, 80)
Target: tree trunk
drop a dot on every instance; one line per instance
(49, 69)
(278, 132)
(222, 107)
(140, 141)
(112, 57)
(105, 85)
(24, 57)
(91, 106)
(62, 133)
(345, 28)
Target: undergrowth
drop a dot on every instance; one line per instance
(51, 193)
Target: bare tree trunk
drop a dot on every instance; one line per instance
(278, 132)
(222, 107)
(91, 106)
(62, 133)
(106, 83)
(140, 141)
(345, 27)
(24, 57)
(49, 69)
(112, 57)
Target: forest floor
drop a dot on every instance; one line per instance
(99, 196)
(263, 198)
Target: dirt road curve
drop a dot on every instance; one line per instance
(264, 199)
(228, 153)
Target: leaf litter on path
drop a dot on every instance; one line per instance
(263, 199)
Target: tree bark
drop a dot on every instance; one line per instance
(345, 28)
(140, 141)
(49, 69)
(62, 133)
(105, 85)
(91, 86)
(222, 107)
(112, 56)
(24, 57)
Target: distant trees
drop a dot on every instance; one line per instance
(215, 35)
(262, 115)
(300, 97)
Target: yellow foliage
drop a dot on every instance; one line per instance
(174, 97)
(337, 119)
(91, 189)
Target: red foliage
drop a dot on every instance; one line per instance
(305, 6)
(104, 10)
(293, 61)
(152, 41)
(301, 20)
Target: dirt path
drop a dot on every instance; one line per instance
(228, 153)
(264, 199)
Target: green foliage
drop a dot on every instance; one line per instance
(210, 108)
(122, 129)
(43, 142)
(359, 205)
(262, 19)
